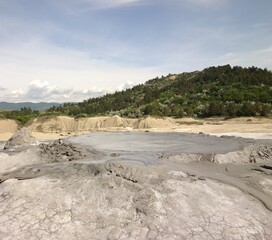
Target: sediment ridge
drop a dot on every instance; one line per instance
(62, 126)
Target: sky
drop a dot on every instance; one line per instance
(71, 50)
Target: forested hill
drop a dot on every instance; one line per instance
(215, 91)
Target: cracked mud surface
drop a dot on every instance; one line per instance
(147, 192)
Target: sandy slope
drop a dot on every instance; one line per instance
(63, 126)
(8, 126)
(245, 125)
(157, 123)
(212, 125)
(68, 124)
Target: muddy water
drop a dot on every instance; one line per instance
(160, 142)
(148, 148)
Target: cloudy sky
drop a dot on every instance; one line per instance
(70, 50)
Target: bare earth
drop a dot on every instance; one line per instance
(60, 127)
(127, 183)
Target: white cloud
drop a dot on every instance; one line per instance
(89, 93)
(93, 90)
(258, 58)
(38, 91)
(65, 67)
(126, 85)
(43, 90)
(16, 94)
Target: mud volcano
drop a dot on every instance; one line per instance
(138, 186)
(21, 138)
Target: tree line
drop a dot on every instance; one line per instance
(215, 91)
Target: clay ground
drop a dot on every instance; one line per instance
(133, 182)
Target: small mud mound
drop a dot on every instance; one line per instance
(115, 121)
(185, 158)
(21, 138)
(256, 153)
(261, 153)
(148, 202)
(61, 151)
(150, 122)
(134, 172)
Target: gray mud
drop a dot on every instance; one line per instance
(161, 142)
(200, 149)
(138, 186)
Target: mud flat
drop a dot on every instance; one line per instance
(138, 186)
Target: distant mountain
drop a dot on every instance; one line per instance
(33, 106)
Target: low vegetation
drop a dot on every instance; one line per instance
(23, 115)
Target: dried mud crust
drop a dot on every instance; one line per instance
(60, 197)
(254, 153)
(63, 151)
(128, 201)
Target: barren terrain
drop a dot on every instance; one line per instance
(137, 185)
(59, 127)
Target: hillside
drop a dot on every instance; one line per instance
(34, 106)
(215, 91)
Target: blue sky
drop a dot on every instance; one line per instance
(70, 50)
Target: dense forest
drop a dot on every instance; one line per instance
(215, 91)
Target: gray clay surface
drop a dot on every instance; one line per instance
(138, 186)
